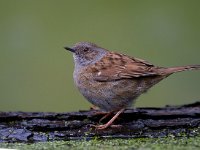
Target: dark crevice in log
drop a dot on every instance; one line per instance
(133, 123)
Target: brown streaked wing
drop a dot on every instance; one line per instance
(116, 66)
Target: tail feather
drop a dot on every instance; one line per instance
(180, 69)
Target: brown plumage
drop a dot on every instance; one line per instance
(112, 81)
(114, 66)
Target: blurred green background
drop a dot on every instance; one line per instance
(36, 72)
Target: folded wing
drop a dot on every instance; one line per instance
(116, 66)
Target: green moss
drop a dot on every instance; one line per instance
(169, 143)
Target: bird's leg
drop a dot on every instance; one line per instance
(105, 116)
(104, 126)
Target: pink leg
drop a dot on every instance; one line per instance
(104, 126)
(104, 117)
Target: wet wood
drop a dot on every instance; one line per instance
(133, 123)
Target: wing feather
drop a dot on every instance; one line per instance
(116, 66)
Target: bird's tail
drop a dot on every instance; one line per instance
(179, 69)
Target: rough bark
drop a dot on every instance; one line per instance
(141, 122)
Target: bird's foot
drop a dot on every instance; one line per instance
(104, 126)
(109, 123)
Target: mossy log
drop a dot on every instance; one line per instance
(133, 123)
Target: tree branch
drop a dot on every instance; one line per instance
(141, 122)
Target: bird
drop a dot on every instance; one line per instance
(112, 81)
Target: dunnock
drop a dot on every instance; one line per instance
(112, 81)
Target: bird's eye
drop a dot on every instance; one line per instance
(86, 49)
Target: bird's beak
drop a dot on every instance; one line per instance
(69, 49)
